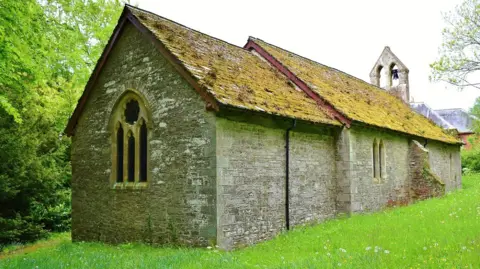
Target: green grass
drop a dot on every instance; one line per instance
(438, 233)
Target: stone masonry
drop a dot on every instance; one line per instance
(220, 177)
(179, 204)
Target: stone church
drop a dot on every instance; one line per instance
(183, 138)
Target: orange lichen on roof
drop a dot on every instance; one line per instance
(234, 76)
(357, 99)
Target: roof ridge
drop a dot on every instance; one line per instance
(318, 63)
(184, 26)
(406, 112)
(378, 88)
(336, 114)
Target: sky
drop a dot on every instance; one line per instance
(348, 35)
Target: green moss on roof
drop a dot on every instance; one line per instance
(356, 99)
(234, 76)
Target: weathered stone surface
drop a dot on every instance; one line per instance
(445, 162)
(424, 182)
(312, 176)
(251, 178)
(179, 205)
(221, 178)
(382, 75)
(250, 182)
(369, 193)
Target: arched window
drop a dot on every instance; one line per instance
(130, 140)
(378, 160)
(375, 158)
(381, 160)
(119, 152)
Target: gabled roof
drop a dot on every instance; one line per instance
(234, 76)
(230, 75)
(227, 75)
(355, 98)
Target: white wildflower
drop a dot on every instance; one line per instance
(343, 250)
(387, 251)
(209, 247)
(368, 248)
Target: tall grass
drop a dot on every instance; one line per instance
(438, 233)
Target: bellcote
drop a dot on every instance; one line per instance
(391, 74)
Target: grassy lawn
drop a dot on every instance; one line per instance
(438, 233)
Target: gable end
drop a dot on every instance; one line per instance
(128, 17)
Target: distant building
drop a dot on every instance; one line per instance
(449, 119)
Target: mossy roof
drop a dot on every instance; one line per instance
(357, 99)
(233, 75)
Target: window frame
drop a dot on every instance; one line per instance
(379, 163)
(118, 119)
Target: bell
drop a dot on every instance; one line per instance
(395, 73)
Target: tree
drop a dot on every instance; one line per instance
(459, 53)
(21, 50)
(47, 51)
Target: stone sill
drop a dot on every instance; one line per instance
(378, 180)
(130, 185)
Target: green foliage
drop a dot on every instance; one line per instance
(47, 51)
(436, 233)
(475, 111)
(471, 160)
(459, 53)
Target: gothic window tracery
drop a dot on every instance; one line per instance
(130, 141)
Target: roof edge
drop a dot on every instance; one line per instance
(128, 16)
(252, 45)
(350, 121)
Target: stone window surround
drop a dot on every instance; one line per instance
(379, 169)
(117, 119)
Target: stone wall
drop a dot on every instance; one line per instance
(369, 193)
(312, 175)
(179, 204)
(251, 176)
(250, 182)
(424, 182)
(221, 178)
(445, 162)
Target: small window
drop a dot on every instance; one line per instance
(381, 160)
(131, 158)
(119, 166)
(130, 140)
(143, 152)
(378, 160)
(375, 158)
